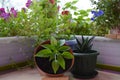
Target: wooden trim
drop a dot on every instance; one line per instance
(108, 67)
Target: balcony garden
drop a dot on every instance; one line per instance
(44, 34)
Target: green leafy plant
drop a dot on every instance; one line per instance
(84, 45)
(57, 52)
(77, 21)
(83, 23)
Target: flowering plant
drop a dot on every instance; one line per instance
(12, 22)
(49, 20)
(44, 18)
(111, 17)
(96, 14)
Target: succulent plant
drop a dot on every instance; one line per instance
(84, 45)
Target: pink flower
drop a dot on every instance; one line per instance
(52, 1)
(29, 2)
(65, 12)
(2, 10)
(14, 12)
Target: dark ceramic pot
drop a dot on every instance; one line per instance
(85, 65)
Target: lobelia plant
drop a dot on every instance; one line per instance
(111, 17)
(57, 52)
(100, 31)
(96, 14)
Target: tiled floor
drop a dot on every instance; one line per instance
(33, 74)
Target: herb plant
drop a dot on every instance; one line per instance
(57, 52)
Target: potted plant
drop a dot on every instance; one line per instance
(85, 59)
(110, 20)
(53, 57)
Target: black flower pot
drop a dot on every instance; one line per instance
(85, 65)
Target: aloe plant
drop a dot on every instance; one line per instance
(84, 45)
(57, 52)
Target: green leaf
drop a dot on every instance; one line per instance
(73, 7)
(67, 5)
(44, 53)
(62, 42)
(84, 44)
(48, 46)
(75, 1)
(67, 55)
(61, 61)
(78, 42)
(76, 13)
(91, 39)
(55, 66)
(51, 57)
(53, 41)
(64, 48)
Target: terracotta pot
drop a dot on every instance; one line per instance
(44, 65)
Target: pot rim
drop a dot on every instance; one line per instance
(94, 52)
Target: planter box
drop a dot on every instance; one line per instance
(15, 49)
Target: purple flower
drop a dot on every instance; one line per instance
(14, 12)
(2, 10)
(29, 2)
(5, 15)
(92, 19)
(96, 14)
(100, 12)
